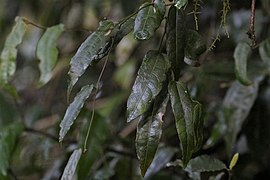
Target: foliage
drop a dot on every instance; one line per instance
(192, 111)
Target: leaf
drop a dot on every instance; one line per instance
(188, 119)
(205, 163)
(148, 84)
(98, 136)
(264, 50)
(162, 157)
(149, 131)
(8, 140)
(47, 52)
(234, 161)
(72, 165)
(240, 55)
(9, 53)
(148, 19)
(176, 40)
(88, 51)
(217, 177)
(181, 3)
(73, 110)
(195, 45)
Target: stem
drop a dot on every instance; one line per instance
(251, 32)
(95, 97)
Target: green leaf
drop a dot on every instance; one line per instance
(89, 51)
(47, 52)
(148, 20)
(217, 177)
(98, 136)
(240, 55)
(205, 163)
(162, 157)
(195, 45)
(149, 131)
(8, 140)
(188, 119)
(234, 161)
(181, 3)
(72, 165)
(175, 40)
(148, 84)
(73, 110)
(9, 53)
(264, 51)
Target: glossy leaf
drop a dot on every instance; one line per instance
(148, 84)
(47, 52)
(73, 110)
(181, 3)
(206, 163)
(8, 140)
(195, 46)
(188, 119)
(72, 165)
(240, 55)
(162, 157)
(264, 51)
(176, 40)
(9, 53)
(149, 131)
(88, 51)
(148, 19)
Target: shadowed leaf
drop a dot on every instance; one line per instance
(47, 52)
(181, 3)
(264, 51)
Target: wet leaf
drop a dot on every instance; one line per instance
(9, 53)
(148, 20)
(88, 51)
(195, 45)
(47, 52)
(240, 55)
(73, 110)
(188, 119)
(205, 163)
(264, 51)
(8, 140)
(181, 3)
(149, 131)
(148, 84)
(72, 165)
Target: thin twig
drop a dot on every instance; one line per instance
(251, 32)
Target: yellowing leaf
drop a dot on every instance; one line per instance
(234, 161)
(47, 52)
(9, 53)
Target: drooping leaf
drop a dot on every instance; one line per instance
(240, 55)
(148, 84)
(264, 51)
(9, 53)
(205, 163)
(88, 51)
(176, 39)
(181, 3)
(188, 119)
(8, 137)
(234, 161)
(195, 46)
(97, 138)
(148, 19)
(149, 131)
(47, 52)
(162, 157)
(72, 165)
(73, 110)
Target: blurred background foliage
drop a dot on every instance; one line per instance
(111, 152)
